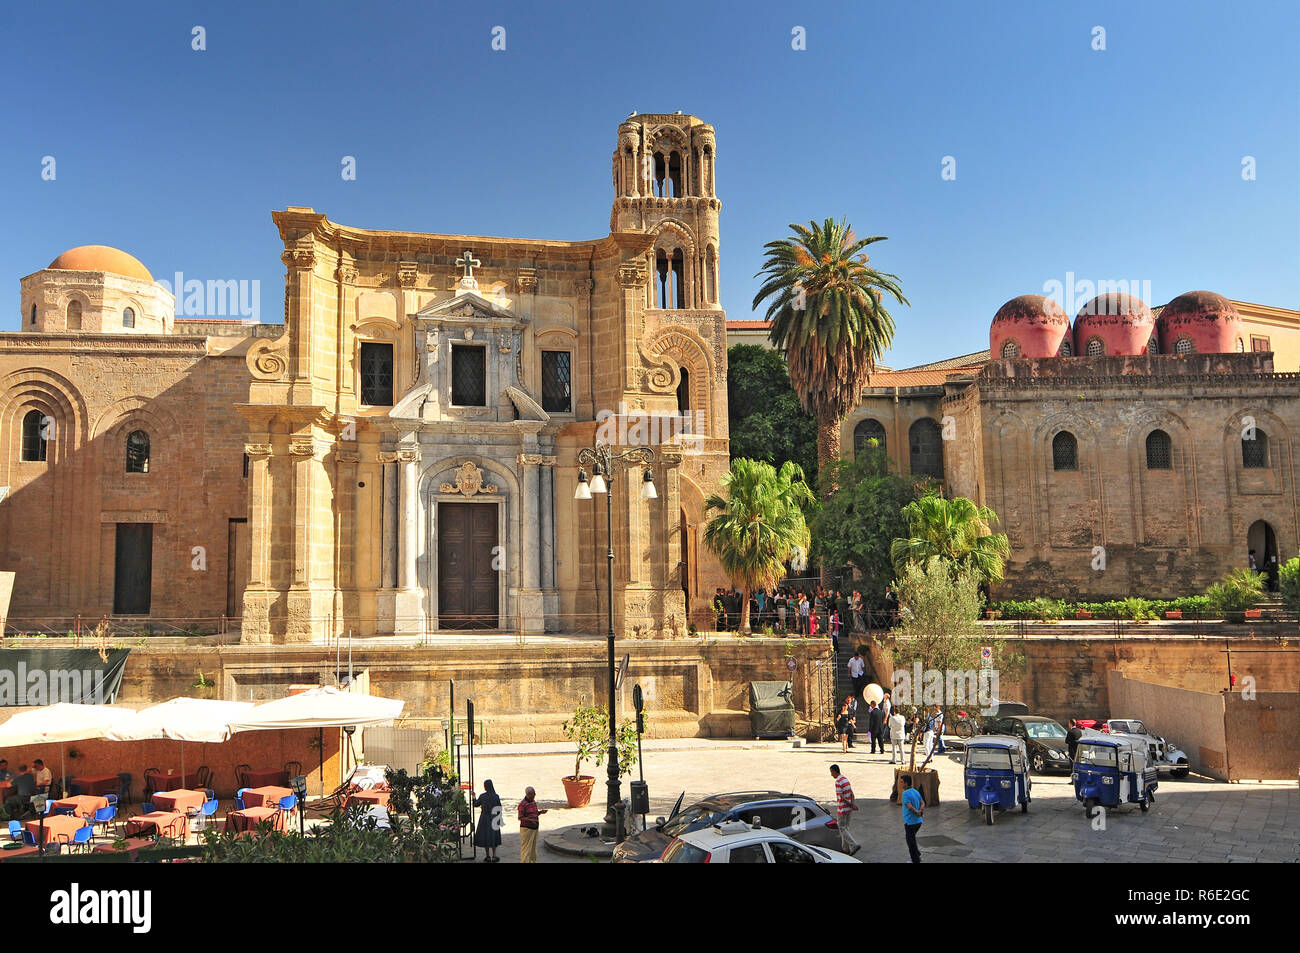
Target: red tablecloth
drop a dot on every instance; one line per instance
(166, 823)
(170, 782)
(265, 797)
(249, 818)
(133, 845)
(83, 805)
(58, 827)
(262, 777)
(178, 801)
(99, 784)
(368, 798)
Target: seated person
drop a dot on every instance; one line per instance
(43, 776)
(24, 784)
(5, 773)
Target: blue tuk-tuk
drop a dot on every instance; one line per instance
(1110, 770)
(997, 774)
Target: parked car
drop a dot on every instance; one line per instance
(1164, 755)
(1043, 737)
(795, 815)
(735, 842)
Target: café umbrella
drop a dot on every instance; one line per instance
(62, 723)
(321, 708)
(202, 720)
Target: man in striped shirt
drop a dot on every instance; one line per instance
(845, 805)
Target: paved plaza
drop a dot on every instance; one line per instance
(1192, 820)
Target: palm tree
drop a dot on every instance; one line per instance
(828, 320)
(759, 524)
(956, 531)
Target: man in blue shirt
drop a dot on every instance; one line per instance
(913, 808)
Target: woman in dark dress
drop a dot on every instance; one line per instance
(488, 832)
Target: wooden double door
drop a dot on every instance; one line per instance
(468, 562)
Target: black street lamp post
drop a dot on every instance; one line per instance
(601, 458)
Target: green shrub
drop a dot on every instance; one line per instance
(1235, 592)
(1137, 609)
(1288, 578)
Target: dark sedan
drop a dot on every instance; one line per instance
(1044, 738)
(796, 815)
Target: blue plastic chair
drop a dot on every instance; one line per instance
(289, 803)
(147, 808)
(210, 807)
(239, 797)
(15, 831)
(110, 798)
(29, 838)
(81, 837)
(210, 794)
(105, 816)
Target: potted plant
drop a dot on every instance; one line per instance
(1137, 610)
(1082, 614)
(588, 730)
(1173, 613)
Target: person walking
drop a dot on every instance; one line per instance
(835, 630)
(859, 623)
(887, 709)
(851, 703)
(940, 747)
(488, 832)
(913, 811)
(845, 805)
(858, 672)
(844, 726)
(1072, 738)
(529, 823)
(876, 725)
(897, 732)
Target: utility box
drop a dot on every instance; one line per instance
(771, 709)
(640, 797)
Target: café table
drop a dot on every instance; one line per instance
(267, 796)
(133, 845)
(249, 819)
(170, 782)
(83, 805)
(16, 852)
(367, 798)
(165, 823)
(262, 777)
(58, 827)
(179, 801)
(98, 784)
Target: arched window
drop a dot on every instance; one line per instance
(684, 393)
(868, 429)
(74, 316)
(128, 318)
(34, 433)
(1153, 345)
(1065, 451)
(661, 174)
(926, 447)
(1184, 346)
(1095, 348)
(675, 173)
(1254, 453)
(1010, 349)
(1159, 451)
(137, 452)
(1067, 348)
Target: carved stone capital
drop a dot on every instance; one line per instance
(529, 459)
(631, 274)
(583, 287)
(548, 461)
(301, 255)
(406, 274)
(257, 449)
(386, 456)
(347, 456)
(407, 455)
(526, 280)
(347, 275)
(304, 447)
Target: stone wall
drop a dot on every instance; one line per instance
(1193, 721)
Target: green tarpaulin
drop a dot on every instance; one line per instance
(771, 708)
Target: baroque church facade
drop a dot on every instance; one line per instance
(401, 455)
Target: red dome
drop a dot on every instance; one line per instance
(1207, 320)
(1028, 326)
(1120, 322)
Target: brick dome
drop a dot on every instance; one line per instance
(1028, 326)
(101, 258)
(1207, 320)
(1119, 323)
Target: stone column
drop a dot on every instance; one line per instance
(530, 604)
(408, 607)
(256, 597)
(386, 597)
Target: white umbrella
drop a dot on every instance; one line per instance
(63, 722)
(321, 708)
(182, 719)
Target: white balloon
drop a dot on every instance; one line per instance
(873, 693)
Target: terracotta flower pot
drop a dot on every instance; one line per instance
(1173, 613)
(1254, 613)
(578, 790)
(1082, 614)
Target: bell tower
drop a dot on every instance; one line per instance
(664, 185)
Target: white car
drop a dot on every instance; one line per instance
(736, 842)
(1163, 754)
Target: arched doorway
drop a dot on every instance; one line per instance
(1262, 541)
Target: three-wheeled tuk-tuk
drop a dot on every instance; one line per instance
(1110, 770)
(997, 774)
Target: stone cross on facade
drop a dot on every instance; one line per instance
(469, 262)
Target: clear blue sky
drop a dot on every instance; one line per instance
(1122, 164)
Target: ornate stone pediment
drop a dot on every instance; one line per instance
(469, 481)
(470, 306)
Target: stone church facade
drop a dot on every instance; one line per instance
(400, 456)
(1136, 451)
